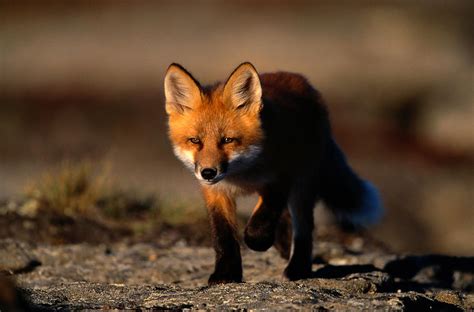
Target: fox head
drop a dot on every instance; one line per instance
(216, 131)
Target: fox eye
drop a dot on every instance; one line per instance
(227, 140)
(194, 140)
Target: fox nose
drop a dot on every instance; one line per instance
(208, 173)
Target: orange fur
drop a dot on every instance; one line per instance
(221, 203)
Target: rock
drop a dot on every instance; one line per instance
(449, 297)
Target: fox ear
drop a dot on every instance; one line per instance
(182, 91)
(243, 90)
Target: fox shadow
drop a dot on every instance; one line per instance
(411, 273)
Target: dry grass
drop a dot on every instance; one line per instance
(84, 189)
(72, 189)
(76, 202)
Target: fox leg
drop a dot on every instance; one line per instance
(283, 235)
(301, 203)
(228, 265)
(260, 230)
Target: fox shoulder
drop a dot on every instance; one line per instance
(286, 82)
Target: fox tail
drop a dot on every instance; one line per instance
(355, 202)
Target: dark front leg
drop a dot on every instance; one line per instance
(228, 265)
(283, 235)
(301, 203)
(300, 263)
(261, 228)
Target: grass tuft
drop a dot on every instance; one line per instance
(83, 191)
(72, 189)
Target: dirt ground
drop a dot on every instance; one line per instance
(146, 276)
(78, 263)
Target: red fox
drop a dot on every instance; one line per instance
(268, 134)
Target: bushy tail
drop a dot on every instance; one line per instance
(356, 203)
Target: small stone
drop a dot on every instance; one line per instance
(448, 297)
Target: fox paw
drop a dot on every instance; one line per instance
(294, 272)
(224, 278)
(259, 238)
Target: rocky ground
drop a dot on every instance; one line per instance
(347, 276)
(51, 261)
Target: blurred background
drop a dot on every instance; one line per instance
(81, 81)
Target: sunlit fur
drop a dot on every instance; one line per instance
(186, 156)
